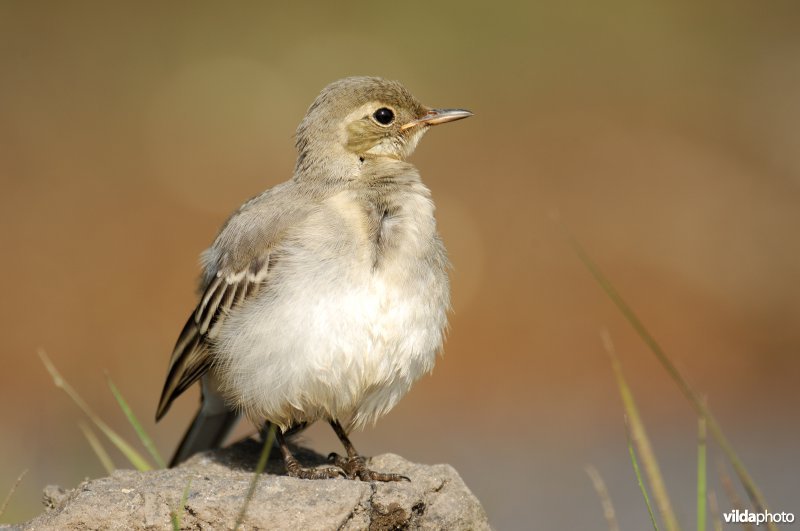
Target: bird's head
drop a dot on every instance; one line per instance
(359, 119)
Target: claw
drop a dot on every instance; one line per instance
(294, 469)
(315, 473)
(356, 468)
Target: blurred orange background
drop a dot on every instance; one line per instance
(666, 136)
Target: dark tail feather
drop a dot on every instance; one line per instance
(210, 427)
(208, 431)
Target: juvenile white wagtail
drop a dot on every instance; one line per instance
(325, 297)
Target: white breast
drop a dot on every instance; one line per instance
(335, 335)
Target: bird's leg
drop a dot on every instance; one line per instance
(294, 469)
(354, 465)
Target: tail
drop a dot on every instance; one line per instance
(210, 427)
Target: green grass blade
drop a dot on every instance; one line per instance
(638, 435)
(640, 481)
(137, 426)
(11, 492)
(135, 458)
(97, 446)
(605, 498)
(753, 492)
(262, 464)
(176, 515)
(702, 483)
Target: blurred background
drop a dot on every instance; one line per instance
(665, 135)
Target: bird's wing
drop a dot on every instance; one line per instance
(191, 357)
(237, 267)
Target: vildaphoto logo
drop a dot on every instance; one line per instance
(763, 517)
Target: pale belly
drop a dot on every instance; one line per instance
(334, 340)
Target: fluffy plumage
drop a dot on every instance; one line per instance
(325, 297)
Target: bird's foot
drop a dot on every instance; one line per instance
(294, 469)
(356, 468)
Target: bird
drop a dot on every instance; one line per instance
(325, 297)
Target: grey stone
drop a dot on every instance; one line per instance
(435, 498)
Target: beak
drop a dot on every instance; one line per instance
(438, 116)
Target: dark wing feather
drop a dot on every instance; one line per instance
(191, 357)
(237, 265)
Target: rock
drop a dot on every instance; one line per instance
(435, 498)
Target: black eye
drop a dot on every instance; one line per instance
(383, 116)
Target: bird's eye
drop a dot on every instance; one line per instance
(383, 116)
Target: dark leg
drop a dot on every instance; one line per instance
(354, 465)
(294, 469)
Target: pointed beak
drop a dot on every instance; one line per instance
(438, 116)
